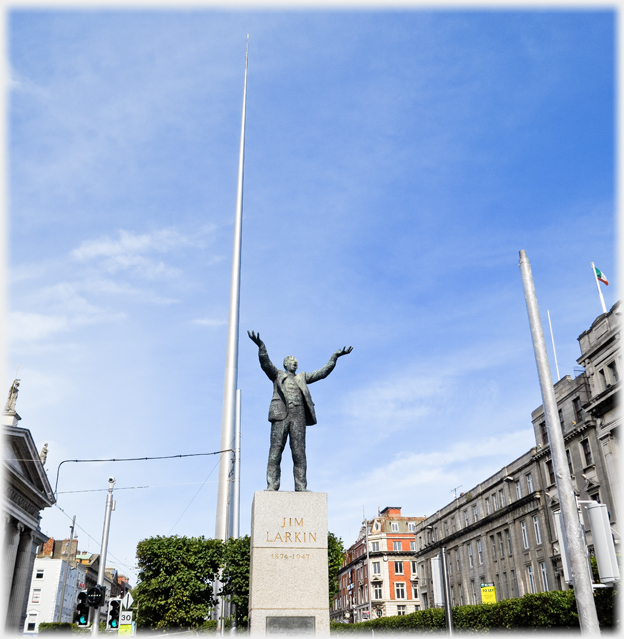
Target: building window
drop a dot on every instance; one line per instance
(561, 422)
(603, 379)
(509, 549)
(394, 526)
(487, 506)
(435, 533)
(415, 591)
(479, 552)
(398, 567)
(452, 596)
(411, 526)
(544, 576)
(457, 559)
(36, 596)
(525, 536)
(514, 584)
(412, 545)
(529, 480)
(420, 542)
(569, 458)
(399, 590)
(466, 522)
(453, 524)
(396, 545)
(377, 591)
(414, 569)
(538, 536)
(576, 405)
(449, 564)
(502, 497)
(495, 502)
(445, 529)
(470, 560)
(531, 577)
(32, 623)
(39, 574)
(506, 582)
(475, 512)
(473, 592)
(544, 433)
(400, 611)
(518, 490)
(375, 546)
(614, 372)
(493, 547)
(500, 545)
(550, 472)
(587, 452)
(376, 568)
(461, 594)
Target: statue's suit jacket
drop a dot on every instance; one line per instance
(278, 409)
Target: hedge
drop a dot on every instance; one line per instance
(555, 609)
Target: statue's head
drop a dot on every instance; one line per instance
(290, 364)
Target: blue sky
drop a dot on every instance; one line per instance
(396, 162)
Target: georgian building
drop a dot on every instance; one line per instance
(497, 533)
(379, 579)
(502, 532)
(27, 493)
(589, 421)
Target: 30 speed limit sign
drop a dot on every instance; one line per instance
(125, 618)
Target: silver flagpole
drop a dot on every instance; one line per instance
(231, 357)
(572, 533)
(602, 302)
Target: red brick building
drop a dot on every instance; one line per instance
(379, 579)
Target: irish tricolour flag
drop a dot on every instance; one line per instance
(601, 276)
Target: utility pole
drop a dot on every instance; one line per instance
(448, 611)
(368, 572)
(572, 534)
(110, 505)
(69, 550)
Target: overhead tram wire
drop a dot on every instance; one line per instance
(193, 499)
(58, 470)
(134, 570)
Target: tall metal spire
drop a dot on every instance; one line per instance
(231, 358)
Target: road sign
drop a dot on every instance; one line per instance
(126, 618)
(127, 601)
(124, 630)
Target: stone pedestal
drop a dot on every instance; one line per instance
(288, 590)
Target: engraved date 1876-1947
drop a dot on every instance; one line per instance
(283, 555)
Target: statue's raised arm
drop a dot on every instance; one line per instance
(265, 362)
(321, 373)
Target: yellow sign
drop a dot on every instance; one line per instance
(124, 630)
(488, 593)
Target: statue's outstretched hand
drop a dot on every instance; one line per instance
(343, 351)
(255, 338)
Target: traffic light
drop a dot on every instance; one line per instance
(82, 610)
(114, 610)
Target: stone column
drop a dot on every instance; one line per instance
(22, 577)
(13, 530)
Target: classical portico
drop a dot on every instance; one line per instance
(27, 491)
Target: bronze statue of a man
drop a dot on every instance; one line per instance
(291, 410)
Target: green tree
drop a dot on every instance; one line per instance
(235, 577)
(175, 580)
(335, 556)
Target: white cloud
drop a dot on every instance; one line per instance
(209, 322)
(422, 482)
(130, 251)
